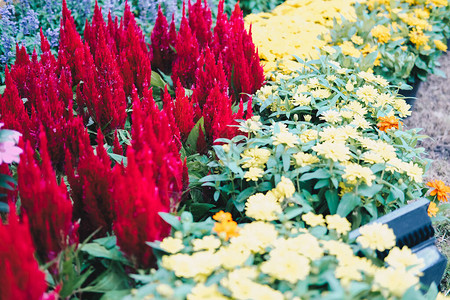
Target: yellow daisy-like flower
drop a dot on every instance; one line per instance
(255, 157)
(404, 258)
(203, 292)
(333, 151)
(208, 242)
(253, 174)
(396, 281)
(301, 100)
(340, 224)
(357, 40)
(354, 172)
(417, 37)
(381, 33)
(439, 3)
(432, 209)
(286, 138)
(304, 159)
(284, 189)
(440, 45)
(262, 207)
(309, 135)
(171, 245)
(349, 49)
(331, 116)
(313, 220)
(376, 236)
(287, 265)
(321, 93)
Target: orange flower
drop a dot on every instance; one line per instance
(222, 216)
(225, 227)
(432, 209)
(388, 122)
(440, 189)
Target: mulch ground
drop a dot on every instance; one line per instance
(432, 113)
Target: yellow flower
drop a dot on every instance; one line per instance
(313, 220)
(262, 207)
(331, 116)
(368, 49)
(440, 3)
(208, 242)
(304, 159)
(347, 273)
(367, 93)
(233, 256)
(321, 93)
(417, 37)
(414, 171)
(402, 107)
(384, 99)
(203, 292)
(333, 151)
(171, 245)
(396, 281)
(353, 172)
(284, 189)
(357, 39)
(287, 138)
(254, 174)
(256, 236)
(432, 209)
(440, 45)
(309, 135)
(381, 33)
(341, 225)
(349, 49)
(301, 100)
(255, 157)
(286, 265)
(404, 258)
(360, 122)
(251, 125)
(226, 148)
(376, 236)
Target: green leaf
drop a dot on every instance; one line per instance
(2, 89)
(191, 142)
(118, 158)
(172, 220)
(4, 208)
(293, 212)
(97, 250)
(369, 191)
(332, 200)
(348, 203)
(115, 295)
(318, 174)
(157, 81)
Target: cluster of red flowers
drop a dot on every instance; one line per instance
(90, 84)
(19, 270)
(220, 66)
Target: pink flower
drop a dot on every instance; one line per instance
(9, 152)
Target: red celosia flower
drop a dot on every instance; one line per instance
(46, 203)
(209, 73)
(91, 186)
(187, 49)
(163, 41)
(117, 147)
(183, 112)
(169, 110)
(200, 22)
(19, 270)
(152, 182)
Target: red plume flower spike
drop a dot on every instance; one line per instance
(163, 42)
(200, 22)
(91, 186)
(46, 203)
(183, 112)
(19, 270)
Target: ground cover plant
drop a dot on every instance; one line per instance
(128, 149)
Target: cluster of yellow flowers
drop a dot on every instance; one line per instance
(293, 29)
(291, 254)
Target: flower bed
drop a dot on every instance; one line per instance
(129, 149)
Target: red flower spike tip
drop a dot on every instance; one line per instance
(163, 42)
(200, 22)
(183, 112)
(46, 203)
(21, 277)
